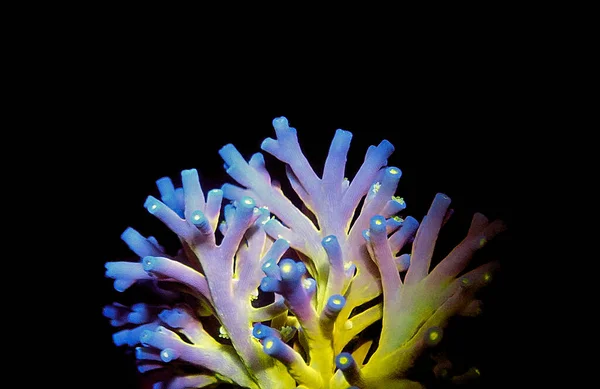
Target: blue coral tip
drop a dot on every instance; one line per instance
(329, 240)
(270, 267)
(148, 263)
(146, 336)
(344, 360)
(272, 345)
(310, 285)
(280, 123)
(336, 302)
(393, 171)
(120, 338)
(367, 235)
(289, 270)
(261, 331)
(269, 284)
(247, 202)
(110, 312)
(151, 204)
(378, 224)
(169, 354)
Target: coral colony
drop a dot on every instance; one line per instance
(263, 294)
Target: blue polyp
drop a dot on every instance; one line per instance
(392, 174)
(146, 354)
(152, 204)
(344, 356)
(403, 261)
(268, 144)
(385, 149)
(261, 331)
(120, 338)
(280, 123)
(158, 385)
(312, 286)
(201, 222)
(257, 160)
(145, 337)
(110, 312)
(245, 207)
(231, 155)
(271, 269)
(277, 346)
(378, 224)
(301, 268)
(173, 317)
(333, 305)
(330, 241)
(136, 242)
(269, 284)
(167, 192)
(138, 317)
(290, 272)
(228, 212)
(393, 224)
(143, 368)
(149, 263)
(366, 235)
(169, 354)
(122, 285)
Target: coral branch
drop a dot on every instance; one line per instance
(426, 238)
(165, 267)
(296, 366)
(221, 360)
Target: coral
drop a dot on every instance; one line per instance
(264, 294)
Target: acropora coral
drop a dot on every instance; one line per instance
(268, 294)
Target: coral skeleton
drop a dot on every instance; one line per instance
(272, 292)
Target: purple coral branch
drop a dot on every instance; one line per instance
(294, 362)
(480, 232)
(168, 268)
(375, 159)
(335, 164)
(425, 239)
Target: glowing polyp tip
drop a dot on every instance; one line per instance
(188, 172)
(442, 197)
(378, 223)
(344, 360)
(151, 204)
(309, 284)
(269, 284)
(487, 277)
(197, 217)
(148, 263)
(146, 336)
(257, 331)
(329, 240)
(336, 302)
(289, 269)
(433, 336)
(465, 282)
(280, 123)
(482, 242)
(247, 202)
(169, 354)
(271, 345)
(394, 171)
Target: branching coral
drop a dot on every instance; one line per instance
(274, 296)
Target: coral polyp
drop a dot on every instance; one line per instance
(268, 292)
